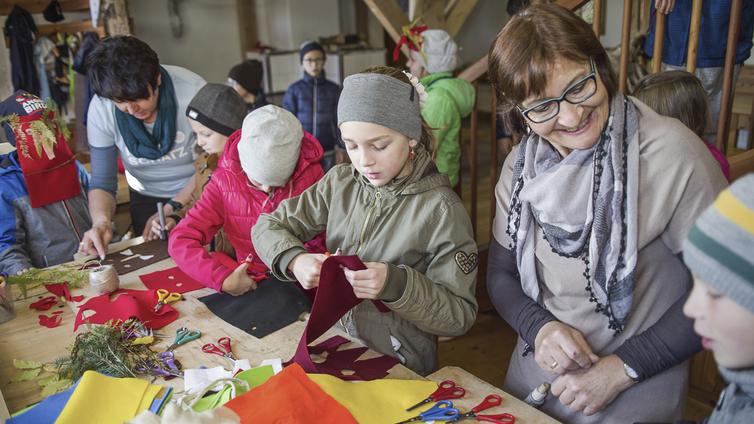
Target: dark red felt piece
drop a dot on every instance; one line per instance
(62, 290)
(123, 304)
(52, 321)
(44, 303)
(173, 280)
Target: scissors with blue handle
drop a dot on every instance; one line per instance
(441, 411)
(165, 297)
(490, 401)
(182, 336)
(447, 390)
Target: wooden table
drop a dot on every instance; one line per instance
(24, 338)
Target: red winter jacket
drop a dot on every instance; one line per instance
(230, 202)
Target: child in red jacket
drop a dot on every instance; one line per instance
(269, 160)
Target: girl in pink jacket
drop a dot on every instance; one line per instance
(269, 160)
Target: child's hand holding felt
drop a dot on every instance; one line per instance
(367, 283)
(239, 282)
(306, 268)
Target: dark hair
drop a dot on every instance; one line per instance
(122, 68)
(427, 139)
(526, 49)
(677, 94)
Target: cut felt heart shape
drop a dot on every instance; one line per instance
(62, 290)
(123, 304)
(52, 321)
(44, 303)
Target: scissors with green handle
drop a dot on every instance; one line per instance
(182, 336)
(165, 297)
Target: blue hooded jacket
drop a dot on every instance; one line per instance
(314, 101)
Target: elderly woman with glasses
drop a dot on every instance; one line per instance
(592, 207)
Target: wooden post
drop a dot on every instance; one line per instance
(493, 153)
(116, 18)
(247, 25)
(597, 17)
(658, 45)
(391, 18)
(625, 47)
(723, 120)
(696, 23)
(472, 159)
(644, 6)
(456, 15)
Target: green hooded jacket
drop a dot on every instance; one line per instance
(416, 225)
(449, 100)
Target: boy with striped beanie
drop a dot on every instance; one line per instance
(719, 250)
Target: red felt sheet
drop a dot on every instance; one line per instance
(123, 304)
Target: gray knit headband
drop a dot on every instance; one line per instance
(383, 100)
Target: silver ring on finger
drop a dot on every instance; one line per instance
(554, 364)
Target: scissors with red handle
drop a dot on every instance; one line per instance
(222, 348)
(447, 390)
(490, 401)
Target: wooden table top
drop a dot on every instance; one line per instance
(23, 338)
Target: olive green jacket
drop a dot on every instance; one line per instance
(415, 224)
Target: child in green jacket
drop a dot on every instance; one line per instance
(449, 99)
(393, 209)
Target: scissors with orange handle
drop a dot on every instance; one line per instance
(164, 297)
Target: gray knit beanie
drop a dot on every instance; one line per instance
(440, 51)
(719, 249)
(383, 100)
(270, 145)
(217, 107)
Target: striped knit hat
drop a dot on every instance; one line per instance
(719, 249)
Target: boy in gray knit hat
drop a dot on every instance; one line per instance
(719, 251)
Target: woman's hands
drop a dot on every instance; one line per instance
(592, 390)
(96, 239)
(560, 348)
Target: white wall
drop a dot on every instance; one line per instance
(211, 40)
(285, 24)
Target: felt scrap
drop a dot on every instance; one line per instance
(176, 414)
(254, 376)
(26, 365)
(156, 250)
(173, 280)
(273, 305)
(334, 298)
(62, 290)
(55, 386)
(378, 401)
(52, 321)
(289, 397)
(161, 399)
(102, 399)
(44, 303)
(46, 411)
(27, 375)
(123, 304)
(196, 379)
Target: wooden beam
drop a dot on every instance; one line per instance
(391, 18)
(38, 6)
(659, 40)
(70, 28)
(475, 70)
(456, 17)
(597, 17)
(430, 13)
(723, 119)
(741, 164)
(696, 23)
(247, 25)
(625, 47)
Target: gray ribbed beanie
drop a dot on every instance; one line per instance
(383, 100)
(217, 107)
(719, 249)
(270, 145)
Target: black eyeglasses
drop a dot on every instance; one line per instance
(579, 92)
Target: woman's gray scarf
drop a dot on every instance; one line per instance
(586, 205)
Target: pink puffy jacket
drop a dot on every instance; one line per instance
(230, 202)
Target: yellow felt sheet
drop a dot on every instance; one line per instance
(377, 401)
(99, 399)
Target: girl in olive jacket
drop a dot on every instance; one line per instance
(393, 209)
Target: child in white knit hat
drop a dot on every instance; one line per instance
(269, 160)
